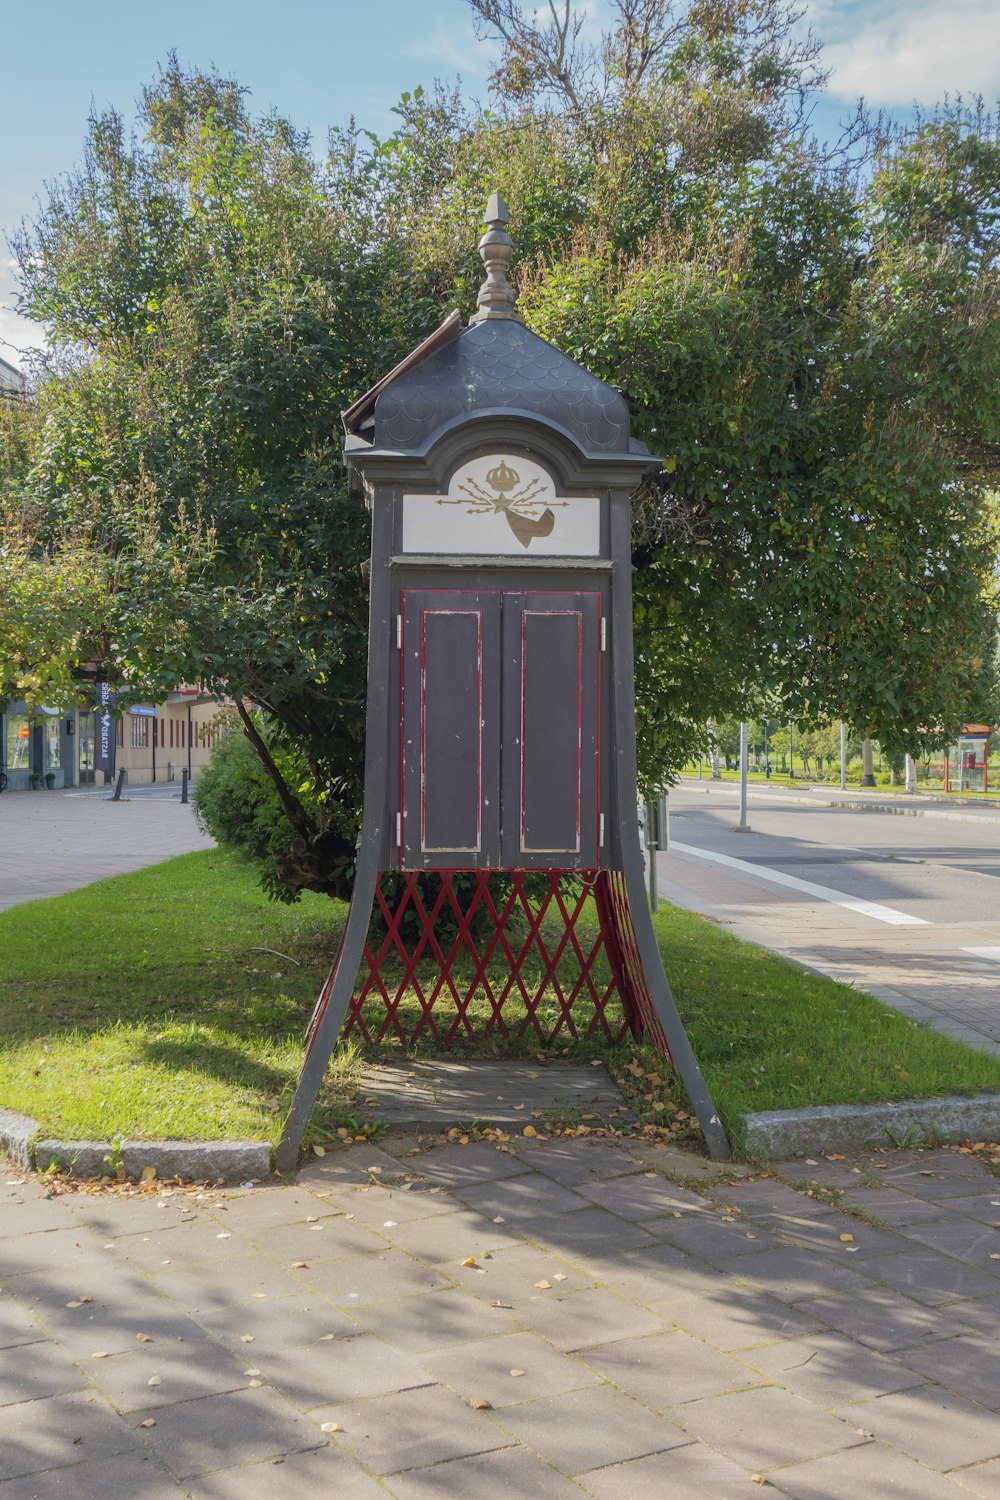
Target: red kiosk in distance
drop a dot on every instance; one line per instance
(500, 843)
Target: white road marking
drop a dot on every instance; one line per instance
(993, 953)
(823, 892)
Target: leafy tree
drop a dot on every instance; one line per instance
(809, 339)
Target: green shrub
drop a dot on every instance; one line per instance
(235, 801)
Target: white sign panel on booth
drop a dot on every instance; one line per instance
(502, 503)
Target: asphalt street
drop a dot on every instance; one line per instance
(905, 906)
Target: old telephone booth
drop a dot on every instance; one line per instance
(500, 718)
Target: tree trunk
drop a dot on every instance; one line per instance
(714, 757)
(867, 764)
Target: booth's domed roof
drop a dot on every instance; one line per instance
(499, 365)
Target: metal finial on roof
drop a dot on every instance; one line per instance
(496, 295)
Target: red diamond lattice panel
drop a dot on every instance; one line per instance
(466, 954)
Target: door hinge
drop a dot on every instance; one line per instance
(399, 830)
(604, 632)
(600, 838)
(399, 632)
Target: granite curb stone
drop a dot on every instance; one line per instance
(16, 1134)
(851, 1127)
(222, 1161)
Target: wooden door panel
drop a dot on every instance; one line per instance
(550, 707)
(450, 730)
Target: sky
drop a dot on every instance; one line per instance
(321, 61)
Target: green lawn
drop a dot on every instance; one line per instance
(139, 1007)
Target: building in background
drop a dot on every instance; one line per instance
(152, 742)
(13, 385)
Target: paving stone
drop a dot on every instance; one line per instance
(831, 1370)
(240, 1283)
(33, 1216)
(655, 1275)
(794, 1274)
(982, 1206)
(299, 1476)
(373, 1205)
(70, 1429)
(767, 1195)
(195, 1437)
(35, 1371)
(982, 1313)
(192, 1244)
(512, 1276)
(436, 1093)
(520, 1198)
(589, 1429)
(932, 1278)
(331, 1238)
(435, 1320)
(589, 1231)
(665, 1369)
(940, 1176)
(823, 1232)
(691, 1472)
(767, 1427)
(511, 1471)
(589, 1318)
(484, 1370)
(127, 1477)
(477, 1163)
(72, 1251)
(342, 1369)
(17, 1325)
(412, 1430)
(968, 1240)
(709, 1236)
(182, 1372)
(453, 1236)
(968, 1365)
(276, 1324)
(351, 1165)
(881, 1318)
(982, 1479)
(871, 1471)
(930, 1425)
(739, 1317)
(119, 1305)
(264, 1207)
(895, 1208)
(575, 1162)
(370, 1278)
(645, 1196)
(114, 1217)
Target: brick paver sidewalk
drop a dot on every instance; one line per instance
(576, 1318)
(52, 842)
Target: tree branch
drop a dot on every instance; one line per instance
(294, 811)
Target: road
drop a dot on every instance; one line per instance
(907, 907)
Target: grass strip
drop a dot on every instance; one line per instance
(149, 1006)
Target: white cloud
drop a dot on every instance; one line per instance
(901, 52)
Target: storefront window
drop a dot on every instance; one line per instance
(18, 742)
(52, 757)
(85, 740)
